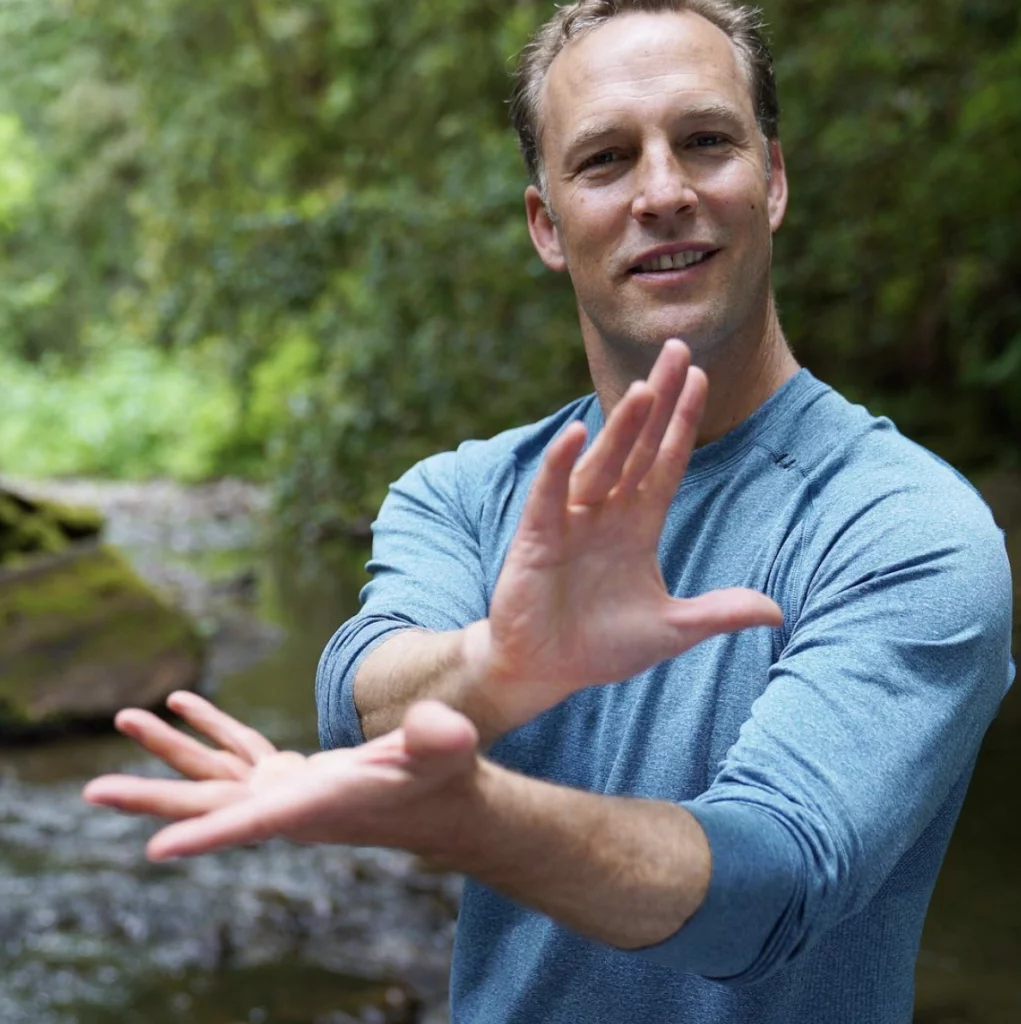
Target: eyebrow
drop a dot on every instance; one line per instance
(592, 136)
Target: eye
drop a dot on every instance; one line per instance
(601, 159)
(708, 140)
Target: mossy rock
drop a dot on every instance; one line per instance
(81, 637)
(33, 526)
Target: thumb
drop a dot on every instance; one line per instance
(438, 738)
(724, 611)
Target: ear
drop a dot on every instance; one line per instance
(545, 236)
(777, 194)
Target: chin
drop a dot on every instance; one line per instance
(634, 335)
(701, 338)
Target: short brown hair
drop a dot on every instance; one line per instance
(742, 24)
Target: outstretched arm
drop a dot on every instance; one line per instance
(580, 600)
(624, 871)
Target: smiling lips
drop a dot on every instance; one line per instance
(672, 261)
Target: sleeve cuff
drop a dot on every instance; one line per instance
(339, 724)
(757, 872)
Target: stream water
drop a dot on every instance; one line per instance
(91, 933)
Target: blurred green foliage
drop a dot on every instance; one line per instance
(135, 412)
(296, 230)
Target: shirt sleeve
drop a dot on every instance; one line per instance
(872, 716)
(426, 573)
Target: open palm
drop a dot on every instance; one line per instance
(390, 792)
(581, 599)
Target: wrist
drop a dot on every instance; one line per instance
(498, 702)
(468, 820)
(476, 653)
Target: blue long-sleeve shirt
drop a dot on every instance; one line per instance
(826, 760)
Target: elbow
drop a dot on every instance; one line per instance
(755, 918)
(339, 722)
(329, 688)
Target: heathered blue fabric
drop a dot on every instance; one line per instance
(826, 760)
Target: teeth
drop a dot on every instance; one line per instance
(677, 261)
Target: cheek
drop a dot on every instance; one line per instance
(591, 224)
(738, 189)
(599, 212)
(742, 217)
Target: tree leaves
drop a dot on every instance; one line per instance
(325, 198)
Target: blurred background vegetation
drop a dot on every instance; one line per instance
(284, 239)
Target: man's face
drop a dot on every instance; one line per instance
(663, 209)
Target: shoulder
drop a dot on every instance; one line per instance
(884, 510)
(475, 466)
(853, 461)
(855, 473)
(481, 475)
(864, 467)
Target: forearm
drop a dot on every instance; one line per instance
(624, 871)
(416, 665)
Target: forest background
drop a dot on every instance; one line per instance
(284, 239)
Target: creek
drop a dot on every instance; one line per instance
(91, 933)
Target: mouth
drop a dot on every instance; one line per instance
(673, 262)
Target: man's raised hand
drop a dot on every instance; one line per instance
(581, 599)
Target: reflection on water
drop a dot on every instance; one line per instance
(283, 992)
(287, 991)
(90, 933)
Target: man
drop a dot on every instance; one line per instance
(680, 817)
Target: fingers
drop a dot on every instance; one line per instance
(545, 510)
(671, 462)
(599, 469)
(229, 733)
(652, 427)
(648, 437)
(252, 820)
(723, 611)
(667, 382)
(233, 825)
(437, 742)
(180, 751)
(165, 798)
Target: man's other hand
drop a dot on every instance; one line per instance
(405, 789)
(581, 599)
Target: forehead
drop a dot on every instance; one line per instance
(634, 61)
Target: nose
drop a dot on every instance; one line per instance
(664, 189)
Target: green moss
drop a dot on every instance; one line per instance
(72, 586)
(29, 526)
(76, 522)
(79, 629)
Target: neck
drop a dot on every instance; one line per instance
(742, 375)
